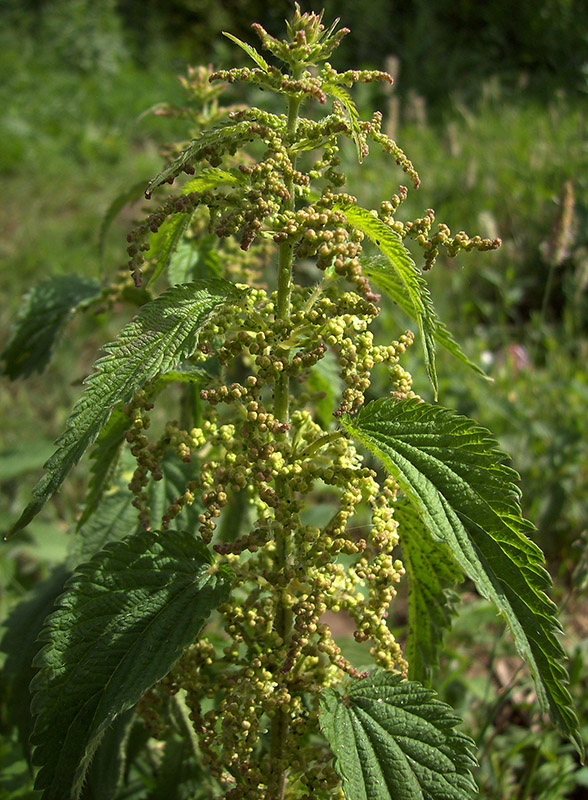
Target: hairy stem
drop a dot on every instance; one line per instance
(322, 442)
(285, 262)
(283, 617)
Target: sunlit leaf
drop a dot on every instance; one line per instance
(415, 288)
(162, 335)
(394, 740)
(380, 271)
(211, 177)
(453, 472)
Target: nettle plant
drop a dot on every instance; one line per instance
(192, 644)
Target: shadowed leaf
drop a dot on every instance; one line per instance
(123, 621)
(432, 573)
(44, 312)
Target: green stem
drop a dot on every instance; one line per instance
(285, 263)
(282, 391)
(283, 617)
(316, 445)
(316, 293)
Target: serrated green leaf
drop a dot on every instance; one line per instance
(416, 290)
(163, 243)
(394, 740)
(211, 177)
(377, 269)
(251, 51)
(432, 573)
(195, 259)
(226, 134)
(163, 334)
(106, 771)
(44, 312)
(453, 472)
(113, 519)
(352, 115)
(131, 194)
(105, 457)
(20, 643)
(123, 622)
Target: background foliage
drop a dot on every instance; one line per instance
(490, 102)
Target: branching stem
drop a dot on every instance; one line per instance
(322, 442)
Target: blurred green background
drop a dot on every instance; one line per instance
(491, 104)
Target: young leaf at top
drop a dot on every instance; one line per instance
(432, 574)
(377, 269)
(123, 621)
(45, 310)
(390, 244)
(164, 333)
(394, 740)
(251, 52)
(352, 115)
(453, 472)
(226, 134)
